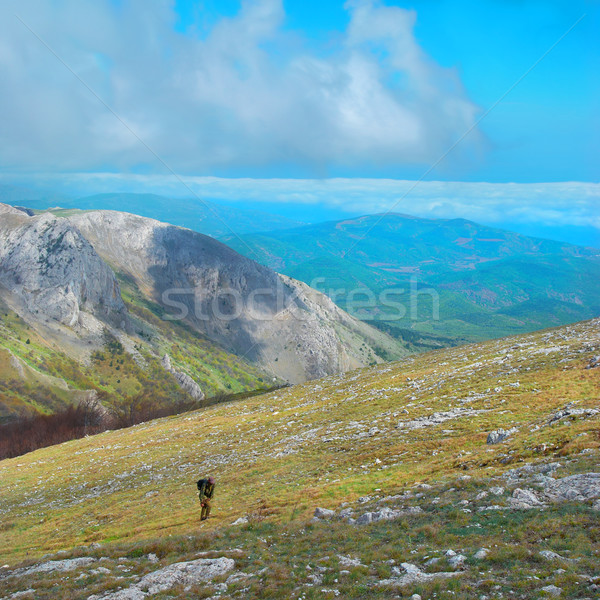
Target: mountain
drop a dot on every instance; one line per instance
(485, 282)
(97, 299)
(48, 267)
(445, 474)
(198, 214)
(69, 331)
(271, 319)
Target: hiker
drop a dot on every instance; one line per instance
(206, 488)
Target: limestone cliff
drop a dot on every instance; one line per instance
(272, 320)
(53, 272)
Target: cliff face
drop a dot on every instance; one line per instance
(272, 320)
(53, 272)
(59, 273)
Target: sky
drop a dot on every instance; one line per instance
(378, 105)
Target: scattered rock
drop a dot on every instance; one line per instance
(347, 561)
(55, 565)
(414, 575)
(549, 555)
(481, 553)
(324, 513)
(238, 576)
(491, 507)
(524, 499)
(530, 470)
(438, 417)
(410, 568)
(16, 595)
(573, 412)
(457, 560)
(184, 573)
(364, 519)
(386, 514)
(315, 578)
(240, 521)
(594, 362)
(495, 437)
(576, 487)
(552, 590)
(330, 591)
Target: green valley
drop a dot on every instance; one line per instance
(444, 281)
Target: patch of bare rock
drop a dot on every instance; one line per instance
(411, 574)
(187, 573)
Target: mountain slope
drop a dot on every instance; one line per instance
(407, 443)
(488, 282)
(67, 334)
(94, 300)
(272, 320)
(47, 266)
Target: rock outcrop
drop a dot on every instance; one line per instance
(53, 272)
(412, 574)
(187, 573)
(186, 383)
(495, 437)
(582, 487)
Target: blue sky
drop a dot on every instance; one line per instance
(546, 129)
(304, 91)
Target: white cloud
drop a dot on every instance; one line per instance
(553, 204)
(222, 101)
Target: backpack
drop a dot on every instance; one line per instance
(201, 483)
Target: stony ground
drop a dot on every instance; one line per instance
(465, 473)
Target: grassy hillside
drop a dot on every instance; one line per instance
(490, 282)
(410, 436)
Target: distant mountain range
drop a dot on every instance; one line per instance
(489, 282)
(91, 302)
(200, 215)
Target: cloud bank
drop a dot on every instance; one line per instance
(247, 95)
(550, 204)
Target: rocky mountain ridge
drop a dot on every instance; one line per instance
(66, 279)
(273, 320)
